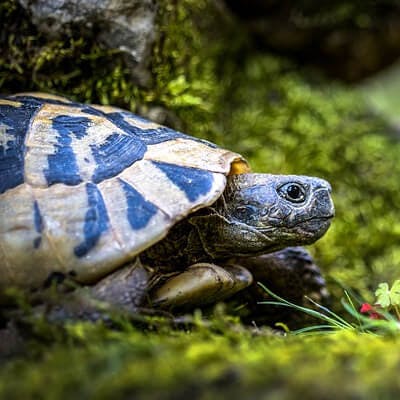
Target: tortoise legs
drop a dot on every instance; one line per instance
(127, 287)
(201, 284)
(290, 273)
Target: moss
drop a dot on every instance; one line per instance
(80, 67)
(286, 121)
(101, 363)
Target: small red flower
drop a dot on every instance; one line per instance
(366, 308)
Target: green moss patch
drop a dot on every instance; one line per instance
(203, 364)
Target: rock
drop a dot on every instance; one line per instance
(125, 25)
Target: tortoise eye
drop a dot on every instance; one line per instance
(293, 192)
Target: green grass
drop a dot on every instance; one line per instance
(328, 321)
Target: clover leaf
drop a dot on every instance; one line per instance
(395, 293)
(383, 295)
(386, 297)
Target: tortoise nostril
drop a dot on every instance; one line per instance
(324, 185)
(323, 203)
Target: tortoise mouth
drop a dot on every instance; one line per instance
(314, 228)
(319, 218)
(302, 232)
(277, 223)
(316, 219)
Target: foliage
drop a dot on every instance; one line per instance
(387, 297)
(387, 301)
(362, 319)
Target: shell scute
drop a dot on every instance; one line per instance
(139, 210)
(184, 178)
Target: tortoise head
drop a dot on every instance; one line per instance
(261, 213)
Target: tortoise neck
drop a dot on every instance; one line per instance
(179, 249)
(221, 238)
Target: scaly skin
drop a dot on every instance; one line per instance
(290, 273)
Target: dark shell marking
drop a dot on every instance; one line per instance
(184, 178)
(38, 221)
(96, 220)
(139, 210)
(14, 124)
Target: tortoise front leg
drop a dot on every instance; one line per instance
(201, 284)
(126, 287)
(291, 274)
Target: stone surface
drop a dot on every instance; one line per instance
(124, 25)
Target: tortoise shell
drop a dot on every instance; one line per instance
(85, 188)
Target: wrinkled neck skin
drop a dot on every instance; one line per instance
(221, 237)
(205, 236)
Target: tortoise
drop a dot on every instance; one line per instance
(137, 211)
